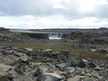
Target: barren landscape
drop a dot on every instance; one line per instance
(53, 40)
(80, 55)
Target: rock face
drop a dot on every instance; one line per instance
(6, 35)
(37, 35)
(12, 36)
(19, 64)
(3, 29)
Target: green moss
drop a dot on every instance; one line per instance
(58, 46)
(85, 53)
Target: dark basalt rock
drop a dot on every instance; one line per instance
(48, 53)
(74, 62)
(37, 35)
(63, 66)
(77, 61)
(92, 65)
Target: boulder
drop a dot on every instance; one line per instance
(53, 74)
(29, 49)
(63, 56)
(3, 72)
(24, 57)
(97, 68)
(72, 63)
(5, 67)
(9, 59)
(77, 61)
(11, 74)
(66, 53)
(63, 66)
(44, 77)
(40, 70)
(19, 71)
(47, 52)
(24, 78)
(89, 79)
(3, 76)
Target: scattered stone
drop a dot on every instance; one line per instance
(16, 65)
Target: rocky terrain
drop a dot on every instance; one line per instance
(12, 36)
(79, 56)
(26, 64)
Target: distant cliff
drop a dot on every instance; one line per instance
(3, 29)
(37, 35)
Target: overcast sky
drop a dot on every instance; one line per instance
(38, 14)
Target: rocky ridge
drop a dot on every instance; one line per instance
(12, 36)
(9, 36)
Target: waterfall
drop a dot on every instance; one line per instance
(55, 35)
(51, 35)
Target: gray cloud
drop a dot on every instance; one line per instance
(26, 7)
(35, 7)
(101, 11)
(45, 8)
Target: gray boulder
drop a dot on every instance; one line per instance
(63, 56)
(63, 66)
(72, 63)
(66, 54)
(97, 68)
(9, 59)
(47, 52)
(44, 77)
(77, 61)
(3, 72)
(24, 78)
(89, 79)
